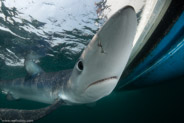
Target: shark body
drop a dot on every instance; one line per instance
(43, 88)
(94, 76)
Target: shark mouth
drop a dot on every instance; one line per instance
(102, 80)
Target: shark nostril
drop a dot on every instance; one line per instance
(80, 65)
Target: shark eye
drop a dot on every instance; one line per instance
(80, 65)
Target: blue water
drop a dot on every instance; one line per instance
(58, 33)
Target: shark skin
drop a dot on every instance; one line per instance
(41, 88)
(94, 76)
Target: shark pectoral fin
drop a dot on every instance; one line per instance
(30, 65)
(27, 115)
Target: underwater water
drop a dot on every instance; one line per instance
(58, 31)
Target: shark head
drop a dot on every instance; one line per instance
(102, 62)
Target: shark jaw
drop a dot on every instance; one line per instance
(99, 89)
(102, 81)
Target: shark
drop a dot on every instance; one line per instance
(94, 76)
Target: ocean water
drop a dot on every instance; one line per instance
(58, 31)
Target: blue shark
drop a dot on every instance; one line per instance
(93, 77)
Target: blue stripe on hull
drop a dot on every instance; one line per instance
(164, 62)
